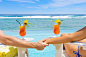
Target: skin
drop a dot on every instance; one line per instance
(11, 40)
(26, 52)
(78, 35)
(70, 48)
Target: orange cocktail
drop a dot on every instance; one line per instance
(56, 29)
(56, 26)
(22, 30)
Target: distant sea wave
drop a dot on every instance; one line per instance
(42, 21)
(42, 16)
(45, 17)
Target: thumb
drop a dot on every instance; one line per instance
(45, 44)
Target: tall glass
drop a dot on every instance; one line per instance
(56, 29)
(22, 31)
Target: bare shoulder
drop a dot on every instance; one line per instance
(80, 34)
(84, 29)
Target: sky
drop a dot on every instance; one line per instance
(42, 6)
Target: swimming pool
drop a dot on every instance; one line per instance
(49, 51)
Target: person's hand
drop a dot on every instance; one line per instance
(40, 45)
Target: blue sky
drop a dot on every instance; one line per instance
(42, 6)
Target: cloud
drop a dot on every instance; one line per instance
(61, 3)
(29, 1)
(34, 7)
(0, 1)
(29, 7)
(37, 0)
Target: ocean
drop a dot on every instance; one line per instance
(42, 28)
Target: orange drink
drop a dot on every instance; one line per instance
(22, 30)
(56, 29)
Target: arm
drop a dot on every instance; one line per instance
(79, 35)
(13, 41)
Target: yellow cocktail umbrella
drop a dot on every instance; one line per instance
(57, 21)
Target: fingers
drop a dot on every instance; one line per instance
(45, 44)
(43, 40)
(41, 45)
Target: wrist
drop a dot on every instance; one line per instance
(47, 41)
(34, 45)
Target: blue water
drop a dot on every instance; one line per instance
(49, 51)
(42, 28)
(70, 22)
